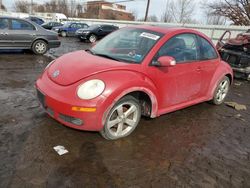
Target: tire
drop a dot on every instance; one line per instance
(63, 34)
(40, 47)
(116, 125)
(92, 38)
(221, 91)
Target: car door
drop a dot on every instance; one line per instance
(5, 39)
(209, 62)
(181, 83)
(72, 29)
(22, 33)
(106, 30)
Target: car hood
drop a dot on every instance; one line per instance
(75, 66)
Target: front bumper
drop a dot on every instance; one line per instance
(58, 102)
(82, 36)
(242, 72)
(239, 61)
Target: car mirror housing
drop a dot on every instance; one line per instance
(165, 61)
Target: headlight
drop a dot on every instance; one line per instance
(90, 89)
(49, 64)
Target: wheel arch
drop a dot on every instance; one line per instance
(146, 97)
(43, 39)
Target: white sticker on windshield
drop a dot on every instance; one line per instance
(150, 36)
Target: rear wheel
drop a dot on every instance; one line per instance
(221, 91)
(40, 47)
(122, 119)
(63, 34)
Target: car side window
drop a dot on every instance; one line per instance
(105, 28)
(183, 48)
(73, 26)
(79, 25)
(21, 25)
(4, 23)
(207, 50)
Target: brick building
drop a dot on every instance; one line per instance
(106, 10)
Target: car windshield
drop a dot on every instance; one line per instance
(67, 24)
(127, 45)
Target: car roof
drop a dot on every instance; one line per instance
(169, 29)
(163, 29)
(13, 17)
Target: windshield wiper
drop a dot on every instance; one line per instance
(107, 56)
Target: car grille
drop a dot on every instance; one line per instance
(41, 98)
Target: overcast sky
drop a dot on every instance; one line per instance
(156, 7)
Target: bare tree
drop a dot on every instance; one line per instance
(22, 6)
(79, 10)
(2, 7)
(213, 19)
(152, 18)
(238, 11)
(167, 16)
(57, 6)
(182, 10)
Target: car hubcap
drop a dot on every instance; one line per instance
(123, 119)
(222, 90)
(40, 47)
(92, 38)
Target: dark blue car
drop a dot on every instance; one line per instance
(69, 29)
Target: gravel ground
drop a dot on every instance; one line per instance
(200, 146)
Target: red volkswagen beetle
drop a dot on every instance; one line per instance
(133, 72)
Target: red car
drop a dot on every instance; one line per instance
(133, 72)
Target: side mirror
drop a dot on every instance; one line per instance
(165, 61)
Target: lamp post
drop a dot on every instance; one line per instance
(146, 14)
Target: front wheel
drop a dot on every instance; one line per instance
(122, 119)
(92, 38)
(221, 91)
(39, 47)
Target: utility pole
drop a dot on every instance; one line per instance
(31, 7)
(146, 14)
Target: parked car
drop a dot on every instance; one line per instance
(50, 25)
(95, 32)
(236, 52)
(108, 87)
(37, 20)
(16, 33)
(69, 29)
